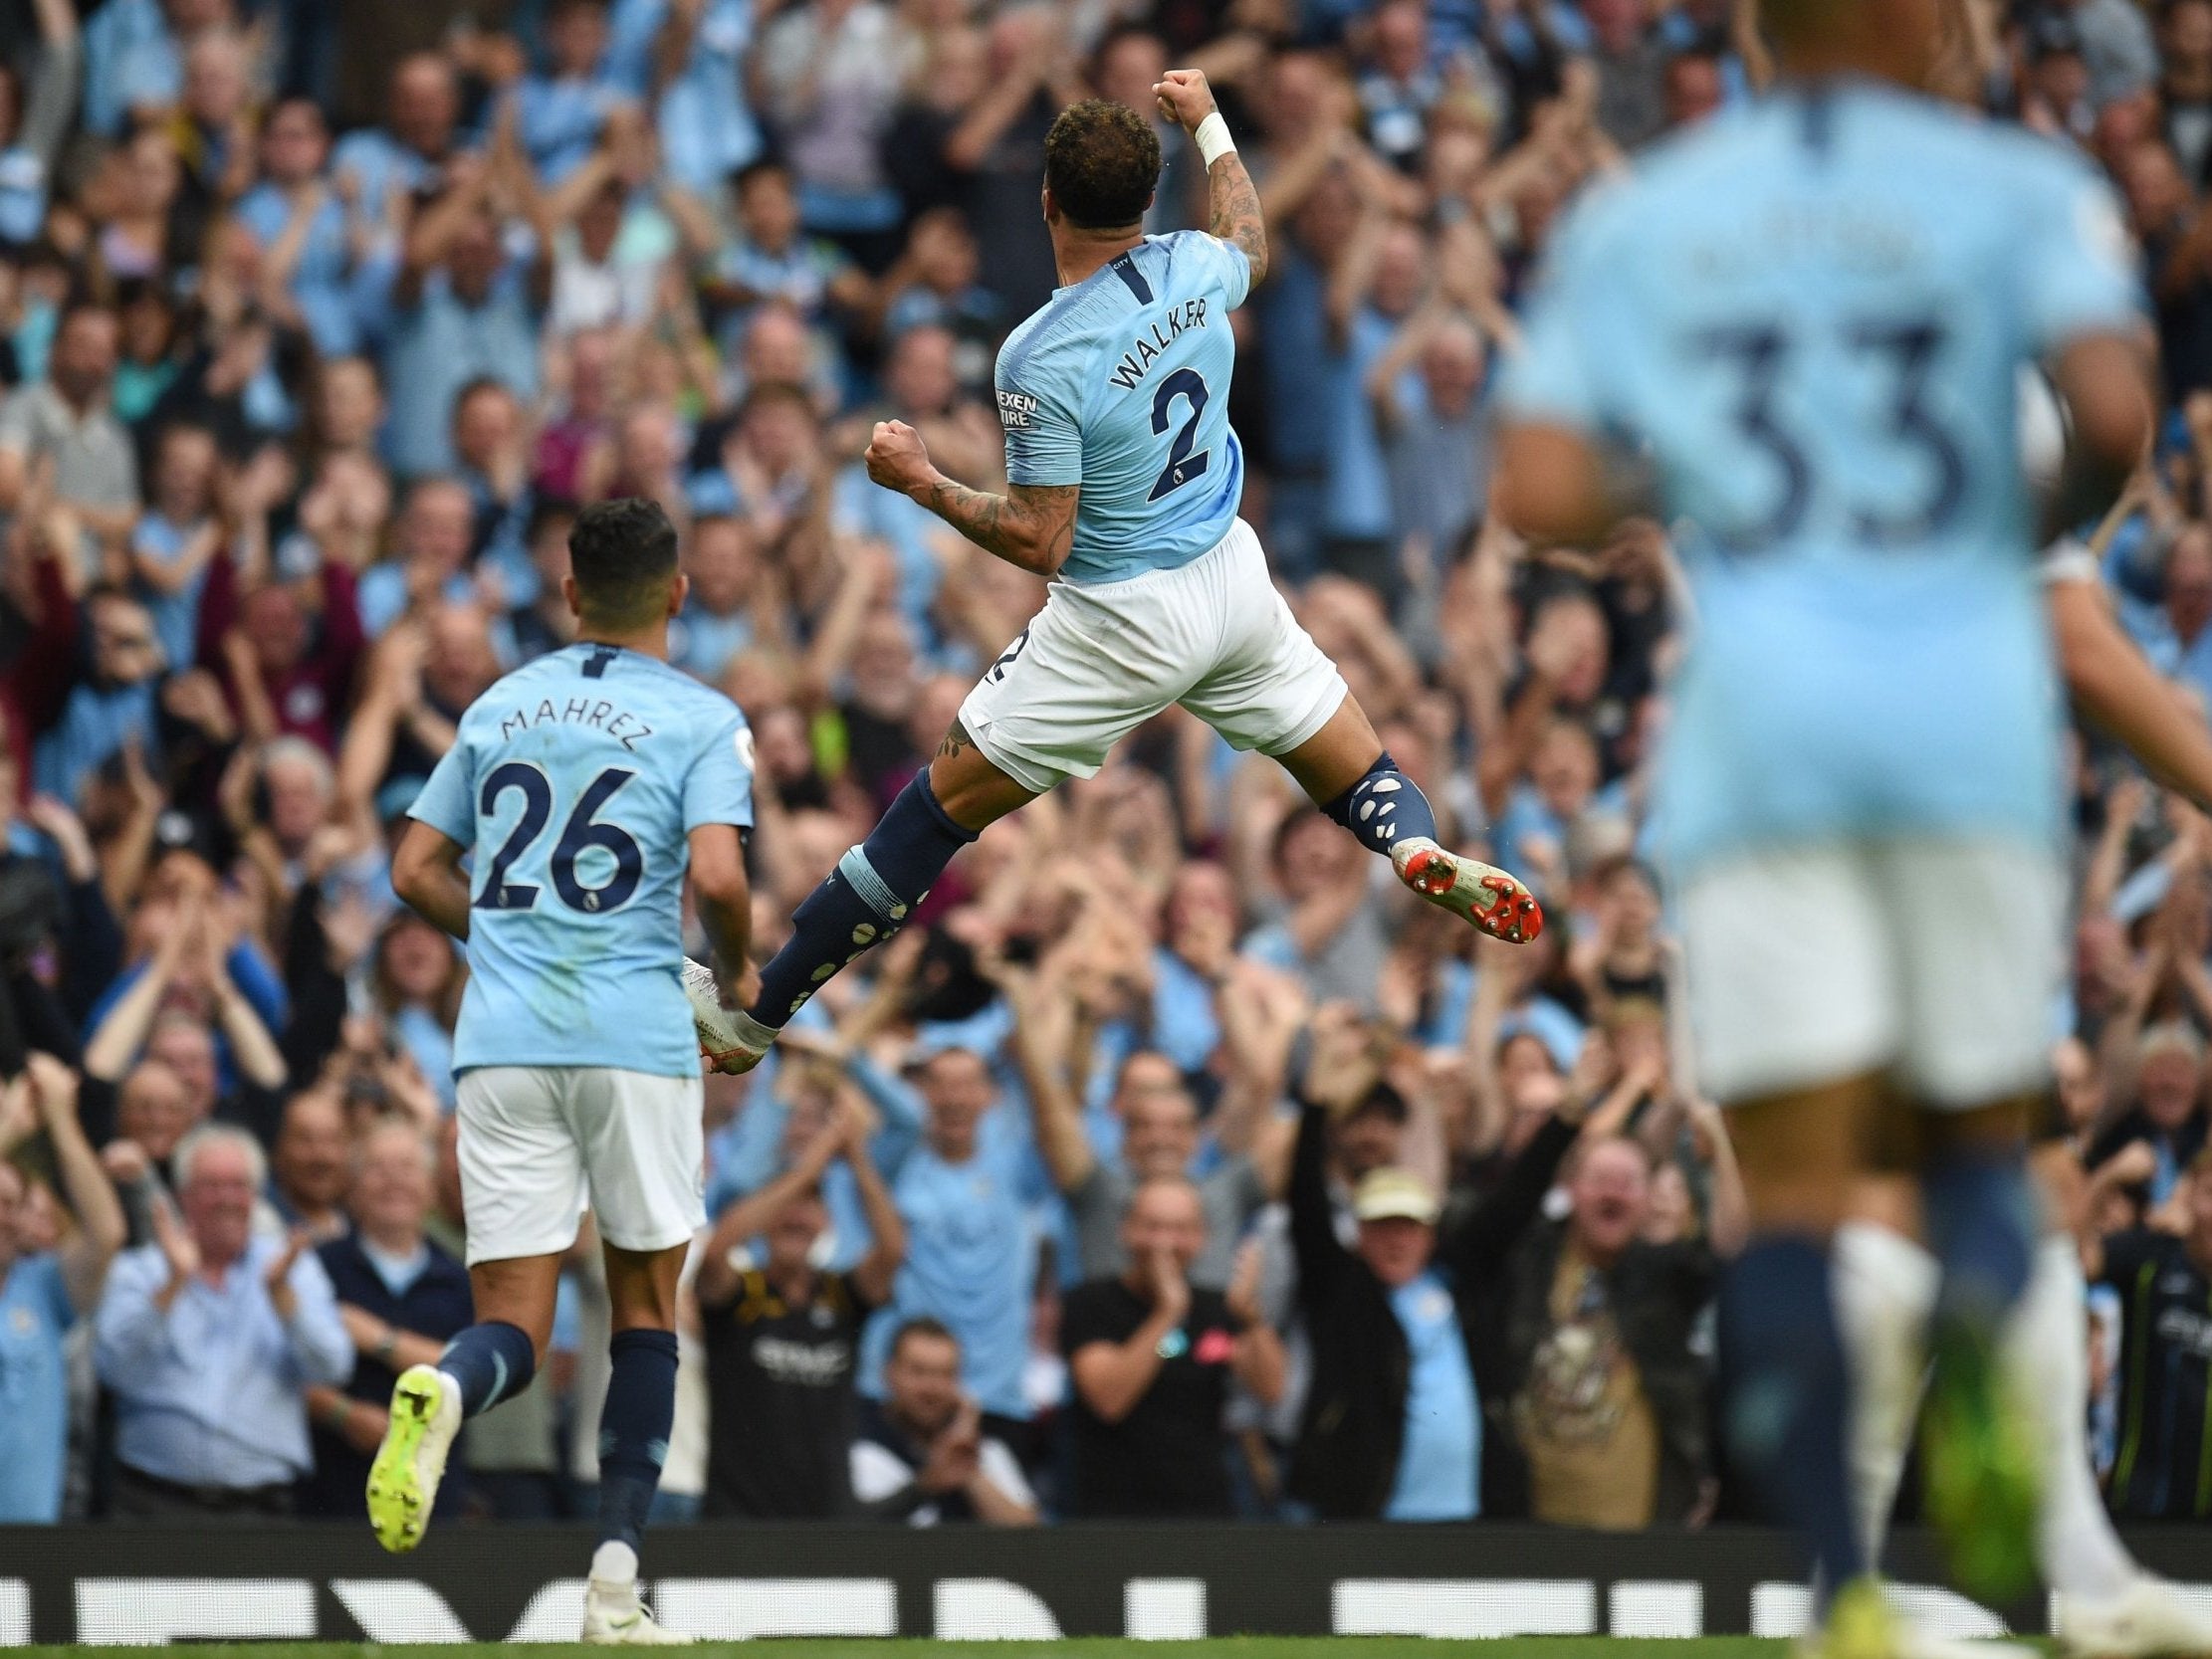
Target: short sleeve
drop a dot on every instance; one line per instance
(857, 1299)
(2075, 261)
(447, 802)
(719, 787)
(1040, 412)
(1224, 262)
(877, 1474)
(1085, 1319)
(49, 1285)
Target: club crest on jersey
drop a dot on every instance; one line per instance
(1136, 361)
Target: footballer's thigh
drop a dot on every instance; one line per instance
(1096, 663)
(1794, 1002)
(1979, 924)
(1790, 973)
(1270, 687)
(644, 1155)
(522, 1172)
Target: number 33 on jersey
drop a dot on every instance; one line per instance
(576, 782)
(1121, 385)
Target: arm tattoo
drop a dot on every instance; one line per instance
(955, 740)
(1236, 211)
(1029, 527)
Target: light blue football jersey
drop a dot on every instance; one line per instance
(1808, 317)
(1121, 385)
(577, 781)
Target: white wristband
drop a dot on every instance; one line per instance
(1213, 140)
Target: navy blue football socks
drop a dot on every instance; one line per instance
(1981, 1221)
(1787, 1395)
(634, 1425)
(1384, 808)
(866, 900)
(491, 1362)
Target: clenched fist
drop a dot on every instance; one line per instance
(1184, 97)
(897, 458)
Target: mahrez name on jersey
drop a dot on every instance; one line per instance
(1137, 362)
(601, 716)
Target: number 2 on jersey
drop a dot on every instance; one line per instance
(1182, 464)
(582, 830)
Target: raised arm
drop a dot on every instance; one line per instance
(1042, 1028)
(1233, 201)
(747, 1217)
(100, 1230)
(114, 1046)
(1032, 527)
(875, 1271)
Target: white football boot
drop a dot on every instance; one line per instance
(2149, 1619)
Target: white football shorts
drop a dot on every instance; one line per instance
(1101, 659)
(1934, 960)
(540, 1142)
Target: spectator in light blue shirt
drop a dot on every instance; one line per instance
(724, 565)
(430, 559)
(772, 258)
(111, 706)
(491, 449)
(463, 308)
(294, 146)
(560, 115)
(706, 130)
(41, 1295)
(2177, 635)
(208, 1338)
(133, 60)
(966, 1194)
(1358, 524)
(177, 537)
(1190, 967)
(409, 152)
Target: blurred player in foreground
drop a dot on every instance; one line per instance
(1124, 481)
(585, 784)
(1802, 324)
(1886, 1283)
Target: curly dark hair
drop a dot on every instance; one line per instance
(623, 556)
(1101, 161)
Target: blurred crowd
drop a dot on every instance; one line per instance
(1179, 1164)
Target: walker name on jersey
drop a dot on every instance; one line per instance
(599, 715)
(1136, 361)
